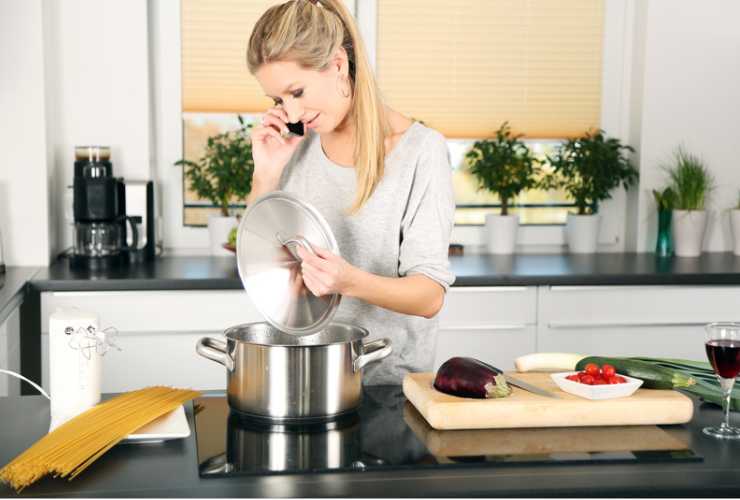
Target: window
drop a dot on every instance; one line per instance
(216, 84)
(463, 68)
(466, 67)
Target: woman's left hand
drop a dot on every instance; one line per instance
(326, 273)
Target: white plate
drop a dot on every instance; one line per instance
(607, 391)
(173, 425)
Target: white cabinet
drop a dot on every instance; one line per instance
(156, 332)
(658, 321)
(10, 353)
(493, 324)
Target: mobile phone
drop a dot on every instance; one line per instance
(296, 128)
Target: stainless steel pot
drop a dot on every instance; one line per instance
(281, 376)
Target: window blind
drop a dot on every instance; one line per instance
(465, 67)
(215, 78)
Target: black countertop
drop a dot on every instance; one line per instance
(201, 273)
(170, 469)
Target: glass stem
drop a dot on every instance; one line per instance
(726, 384)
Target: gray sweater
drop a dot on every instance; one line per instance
(403, 229)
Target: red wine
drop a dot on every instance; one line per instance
(724, 354)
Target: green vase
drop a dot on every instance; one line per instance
(664, 245)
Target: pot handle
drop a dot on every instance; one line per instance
(372, 352)
(215, 350)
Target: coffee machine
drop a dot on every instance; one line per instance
(106, 234)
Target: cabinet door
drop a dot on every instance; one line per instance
(497, 345)
(156, 333)
(657, 321)
(480, 306)
(493, 324)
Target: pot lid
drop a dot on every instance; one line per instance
(269, 266)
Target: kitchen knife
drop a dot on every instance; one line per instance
(522, 384)
(529, 387)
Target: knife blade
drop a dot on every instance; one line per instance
(529, 387)
(520, 383)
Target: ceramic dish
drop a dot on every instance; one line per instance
(173, 425)
(607, 391)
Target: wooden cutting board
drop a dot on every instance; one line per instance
(524, 409)
(476, 442)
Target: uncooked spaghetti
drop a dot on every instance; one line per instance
(73, 446)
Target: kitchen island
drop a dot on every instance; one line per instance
(170, 469)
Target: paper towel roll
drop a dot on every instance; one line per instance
(75, 368)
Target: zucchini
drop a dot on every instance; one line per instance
(547, 362)
(653, 376)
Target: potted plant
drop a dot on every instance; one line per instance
(589, 168)
(222, 175)
(691, 182)
(735, 226)
(504, 166)
(664, 200)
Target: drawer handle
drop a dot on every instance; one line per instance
(557, 325)
(514, 326)
(476, 289)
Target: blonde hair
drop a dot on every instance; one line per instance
(309, 33)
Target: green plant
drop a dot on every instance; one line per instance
(665, 199)
(589, 167)
(504, 166)
(224, 173)
(690, 180)
(737, 205)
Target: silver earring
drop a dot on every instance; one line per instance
(343, 94)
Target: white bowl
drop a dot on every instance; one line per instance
(606, 391)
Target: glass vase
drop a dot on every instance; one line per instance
(664, 245)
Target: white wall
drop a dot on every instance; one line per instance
(691, 96)
(79, 71)
(97, 57)
(24, 208)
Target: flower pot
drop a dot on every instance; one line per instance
(735, 226)
(218, 232)
(501, 233)
(582, 232)
(688, 232)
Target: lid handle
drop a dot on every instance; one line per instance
(294, 242)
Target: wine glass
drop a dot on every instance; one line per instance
(723, 351)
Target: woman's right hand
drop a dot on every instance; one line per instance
(271, 150)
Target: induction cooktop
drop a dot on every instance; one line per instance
(388, 433)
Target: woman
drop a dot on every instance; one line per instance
(382, 181)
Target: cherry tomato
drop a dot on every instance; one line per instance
(600, 381)
(621, 379)
(608, 371)
(613, 380)
(592, 369)
(573, 377)
(587, 379)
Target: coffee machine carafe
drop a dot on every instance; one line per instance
(101, 225)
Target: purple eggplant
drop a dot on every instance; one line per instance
(471, 378)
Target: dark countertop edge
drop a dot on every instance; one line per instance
(109, 285)
(13, 286)
(45, 285)
(475, 270)
(602, 280)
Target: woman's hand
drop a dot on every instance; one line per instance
(326, 273)
(271, 151)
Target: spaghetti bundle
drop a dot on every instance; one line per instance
(73, 446)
